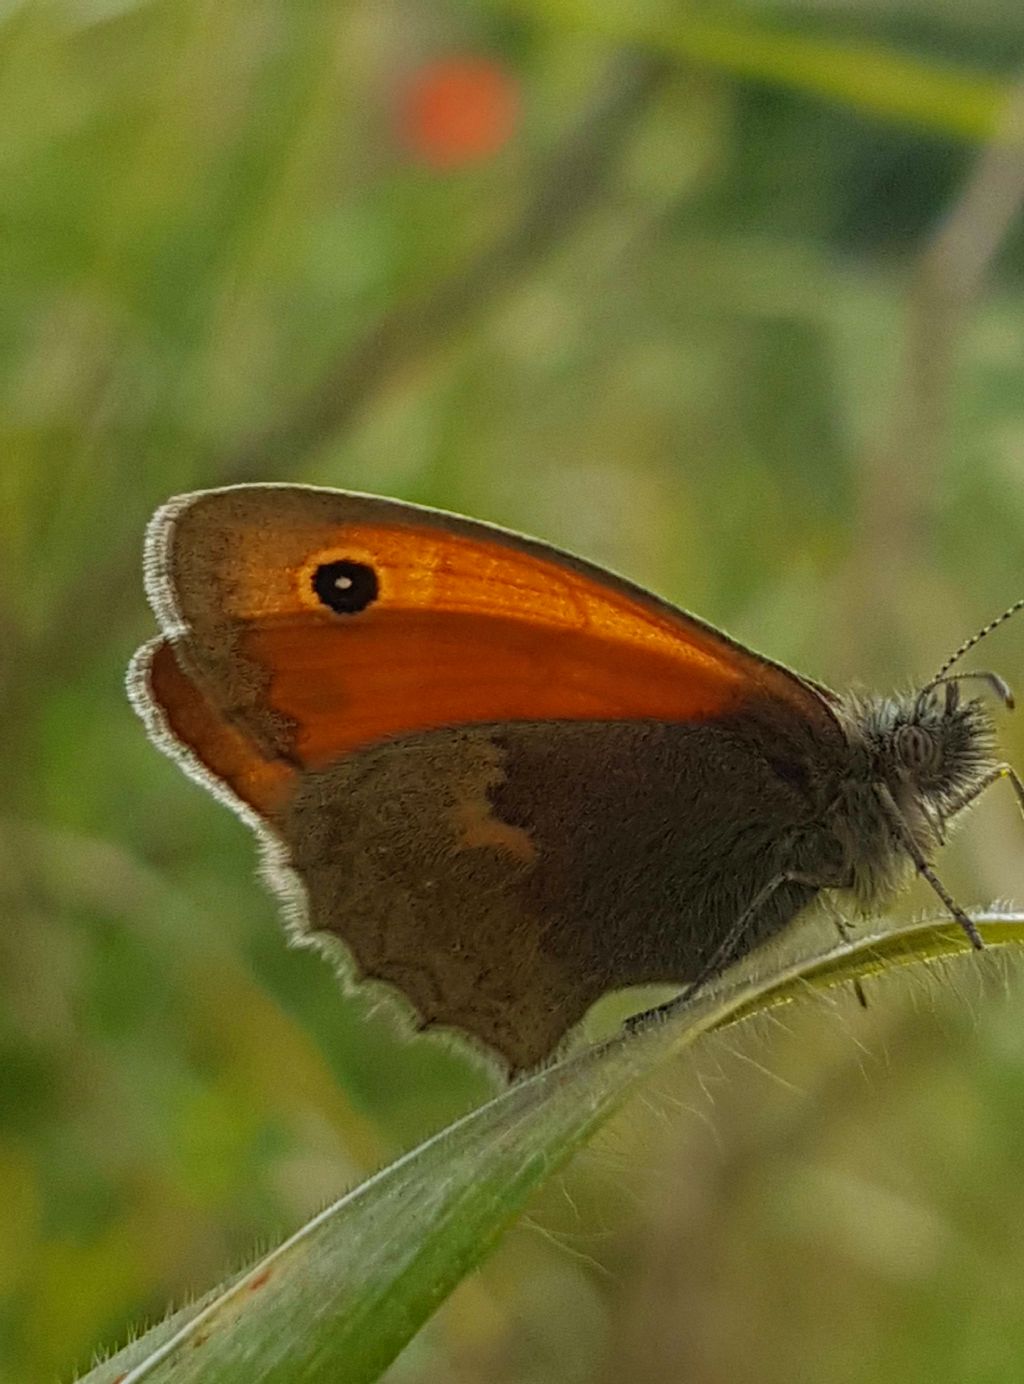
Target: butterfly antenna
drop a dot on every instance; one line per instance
(956, 656)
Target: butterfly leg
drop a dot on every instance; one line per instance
(724, 950)
(925, 870)
(1001, 771)
(843, 928)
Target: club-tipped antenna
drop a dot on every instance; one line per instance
(968, 644)
(999, 686)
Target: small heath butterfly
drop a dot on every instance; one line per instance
(508, 781)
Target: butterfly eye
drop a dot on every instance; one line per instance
(916, 748)
(346, 587)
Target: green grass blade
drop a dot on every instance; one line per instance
(855, 73)
(339, 1300)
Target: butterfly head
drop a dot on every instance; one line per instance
(934, 750)
(935, 746)
(917, 760)
(939, 744)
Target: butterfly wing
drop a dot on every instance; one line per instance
(316, 644)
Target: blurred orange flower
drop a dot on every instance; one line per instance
(457, 110)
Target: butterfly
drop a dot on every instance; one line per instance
(503, 781)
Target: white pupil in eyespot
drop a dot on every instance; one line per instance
(343, 583)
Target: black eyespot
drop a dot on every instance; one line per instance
(346, 587)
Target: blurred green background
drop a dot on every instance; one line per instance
(687, 316)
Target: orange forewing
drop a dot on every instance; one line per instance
(394, 670)
(472, 625)
(192, 720)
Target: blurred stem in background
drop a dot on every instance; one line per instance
(570, 183)
(902, 474)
